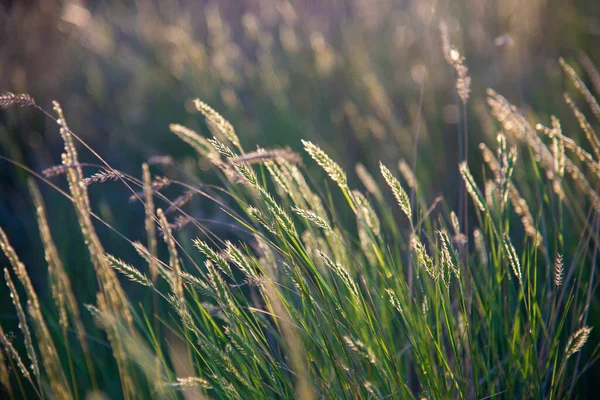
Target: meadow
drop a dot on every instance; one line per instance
(361, 199)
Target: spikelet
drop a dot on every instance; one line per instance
(581, 87)
(311, 198)
(366, 244)
(513, 259)
(258, 216)
(101, 177)
(61, 284)
(149, 222)
(591, 70)
(558, 270)
(448, 258)
(109, 283)
(213, 256)
(455, 223)
(408, 174)
(128, 270)
(9, 99)
(361, 349)
(285, 183)
(585, 126)
(581, 181)
(480, 246)
(367, 180)
(507, 160)
(158, 184)
(518, 202)
(161, 160)
(191, 382)
(24, 327)
(558, 148)
(577, 340)
(343, 274)
(180, 201)
(217, 124)
(423, 259)
(198, 142)
(394, 300)
(56, 170)
(456, 61)
(397, 190)
(12, 352)
(240, 260)
(4, 374)
(220, 291)
(277, 213)
(476, 196)
(507, 114)
(313, 217)
(177, 283)
(50, 359)
(365, 212)
(262, 156)
(336, 173)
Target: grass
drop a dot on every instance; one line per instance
(310, 277)
(334, 291)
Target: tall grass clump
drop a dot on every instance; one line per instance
(327, 291)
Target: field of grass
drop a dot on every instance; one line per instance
(329, 219)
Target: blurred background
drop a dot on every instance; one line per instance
(358, 77)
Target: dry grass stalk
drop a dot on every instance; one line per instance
(365, 212)
(191, 382)
(56, 170)
(4, 374)
(177, 283)
(180, 201)
(367, 180)
(581, 181)
(149, 222)
(408, 174)
(9, 99)
(161, 160)
(591, 70)
(50, 359)
(590, 134)
(158, 184)
(581, 87)
(558, 270)
(456, 61)
(191, 137)
(24, 327)
(14, 354)
(480, 246)
(61, 283)
(102, 177)
(261, 156)
(109, 283)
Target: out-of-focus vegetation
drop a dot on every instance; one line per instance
(368, 81)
